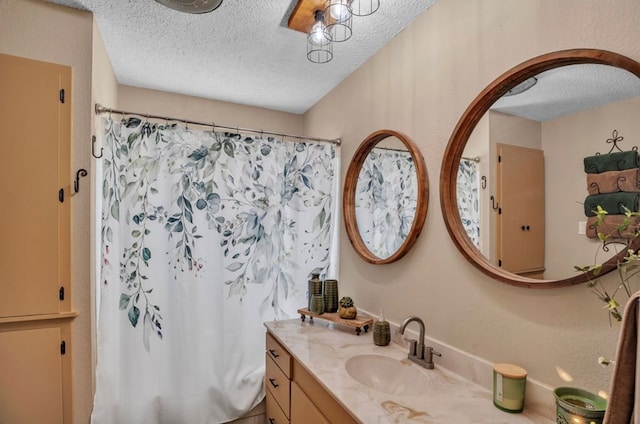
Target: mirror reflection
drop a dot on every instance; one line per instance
(386, 197)
(521, 182)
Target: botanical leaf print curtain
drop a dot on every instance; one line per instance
(386, 200)
(469, 199)
(205, 235)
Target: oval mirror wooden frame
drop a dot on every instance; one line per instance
(349, 197)
(466, 125)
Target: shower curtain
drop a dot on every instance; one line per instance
(205, 235)
(468, 196)
(386, 200)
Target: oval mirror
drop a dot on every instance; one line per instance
(385, 197)
(554, 110)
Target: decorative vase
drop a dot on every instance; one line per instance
(317, 304)
(315, 287)
(330, 295)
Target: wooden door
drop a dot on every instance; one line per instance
(31, 376)
(521, 218)
(34, 165)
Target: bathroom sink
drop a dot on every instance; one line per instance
(388, 375)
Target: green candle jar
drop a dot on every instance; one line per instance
(509, 383)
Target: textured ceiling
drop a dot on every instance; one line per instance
(242, 52)
(571, 89)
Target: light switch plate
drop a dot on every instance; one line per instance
(582, 227)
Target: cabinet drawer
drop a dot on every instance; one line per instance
(274, 413)
(279, 355)
(278, 384)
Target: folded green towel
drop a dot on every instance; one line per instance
(611, 162)
(613, 203)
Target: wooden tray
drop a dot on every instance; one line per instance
(358, 323)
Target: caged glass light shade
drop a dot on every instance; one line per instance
(364, 7)
(340, 19)
(319, 41)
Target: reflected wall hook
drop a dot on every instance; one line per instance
(495, 205)
(93, 148)
(483, 182)
(76, 184)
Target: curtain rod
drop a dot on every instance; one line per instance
(475, 159)
(101, 109)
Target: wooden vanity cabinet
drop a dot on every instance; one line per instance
(293, 395)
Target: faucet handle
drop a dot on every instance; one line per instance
(413, 346)
(429, 352)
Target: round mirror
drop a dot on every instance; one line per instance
(554, 110)
(385, 198)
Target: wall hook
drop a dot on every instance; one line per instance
(93, 148)
(495, 205)
(76, 184)
(483, 182)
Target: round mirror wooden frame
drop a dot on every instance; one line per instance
(349, 196)
(466, 125)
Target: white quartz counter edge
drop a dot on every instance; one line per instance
(323, 349)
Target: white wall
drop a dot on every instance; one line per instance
(432, 71)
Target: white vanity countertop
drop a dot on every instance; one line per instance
(323, 348)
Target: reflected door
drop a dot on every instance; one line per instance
(520, 224)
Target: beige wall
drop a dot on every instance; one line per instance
(203, 110)
(42, 31)
(421, 84)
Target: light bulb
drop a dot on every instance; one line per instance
(318, 34)
(339, 10)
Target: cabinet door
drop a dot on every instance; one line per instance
(521, 195)
(34, 166)
(31, 377)
(303, 411)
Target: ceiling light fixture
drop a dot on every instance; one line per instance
(340, 19)
(319, 45)
(522, 87)
(192, 6)
(364, 7)
(336, 17)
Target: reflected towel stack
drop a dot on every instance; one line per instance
(613, 203)
(614, 226)
(627, 180)
(613, 183)
(616, 161)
